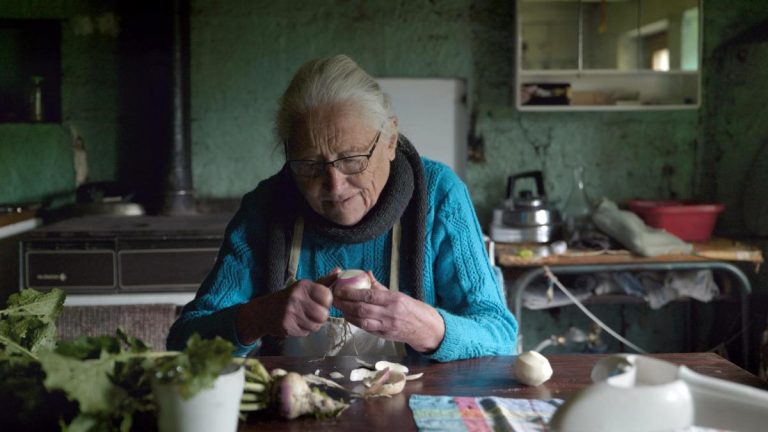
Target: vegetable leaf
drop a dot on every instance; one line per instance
(89, 347)
(197, 367)
(30, 302)
(86, 381)
(26, 403)
(105, 376)
(90, 383)
(28, 323)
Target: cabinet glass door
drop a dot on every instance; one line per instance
(609, 34)
(608, 54)
(549, 31)
(668, 31)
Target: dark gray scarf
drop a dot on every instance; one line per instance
(404, 197)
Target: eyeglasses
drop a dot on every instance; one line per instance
(347, 165)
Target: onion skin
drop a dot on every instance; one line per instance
(357, 279)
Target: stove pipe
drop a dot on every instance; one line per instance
(179, 194)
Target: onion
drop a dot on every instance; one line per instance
(357, 279)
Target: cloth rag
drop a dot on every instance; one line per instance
(629, 230)
(487, 414)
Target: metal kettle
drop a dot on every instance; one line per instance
(536, 220)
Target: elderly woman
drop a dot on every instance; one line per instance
(353, 194)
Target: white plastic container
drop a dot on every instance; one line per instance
(634, 393)
(213, 409)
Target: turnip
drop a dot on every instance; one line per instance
(353, 278)
(357, 279)
(293, 397)
(532, 368)
(289, 394)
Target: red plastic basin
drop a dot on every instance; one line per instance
(689, 221)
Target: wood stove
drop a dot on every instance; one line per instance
(122, 254)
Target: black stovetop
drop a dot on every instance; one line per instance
(198, 226)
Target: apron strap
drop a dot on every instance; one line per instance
(394, 271)
(296, 240)
(293, 261)
(394, 259)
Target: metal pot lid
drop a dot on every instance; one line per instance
(526, 201)
(530, 218)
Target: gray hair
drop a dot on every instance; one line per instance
(328, 81)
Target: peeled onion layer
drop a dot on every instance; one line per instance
(394, 385)
(360, 374)
(385, 383)
(383, 364)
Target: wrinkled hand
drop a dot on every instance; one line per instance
(391, 315)
(298, 310)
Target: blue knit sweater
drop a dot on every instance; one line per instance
(458, 278)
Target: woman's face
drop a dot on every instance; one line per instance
(334, 132)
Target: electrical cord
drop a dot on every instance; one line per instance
(610, 331)
(586, 311)
(733, 337)
(543, 344)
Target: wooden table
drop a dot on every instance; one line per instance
(487, 376)
(716, 254)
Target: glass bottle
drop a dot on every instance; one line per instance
(578, 207)
(36, 99)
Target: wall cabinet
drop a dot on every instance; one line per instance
(608, 54)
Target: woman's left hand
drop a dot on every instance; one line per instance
(391, 315)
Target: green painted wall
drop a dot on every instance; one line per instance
(245, 52)
(735, 114)
(44, 151)
(36, 159)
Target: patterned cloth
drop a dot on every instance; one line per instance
(486, 414)
(480, 414)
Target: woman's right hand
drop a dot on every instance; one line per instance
(298, 310)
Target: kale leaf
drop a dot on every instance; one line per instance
(28, 323)
(197, 367)
(90, 383)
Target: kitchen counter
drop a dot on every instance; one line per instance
(178, 299)
(714, 249)
(717, 254)
(15, 223)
